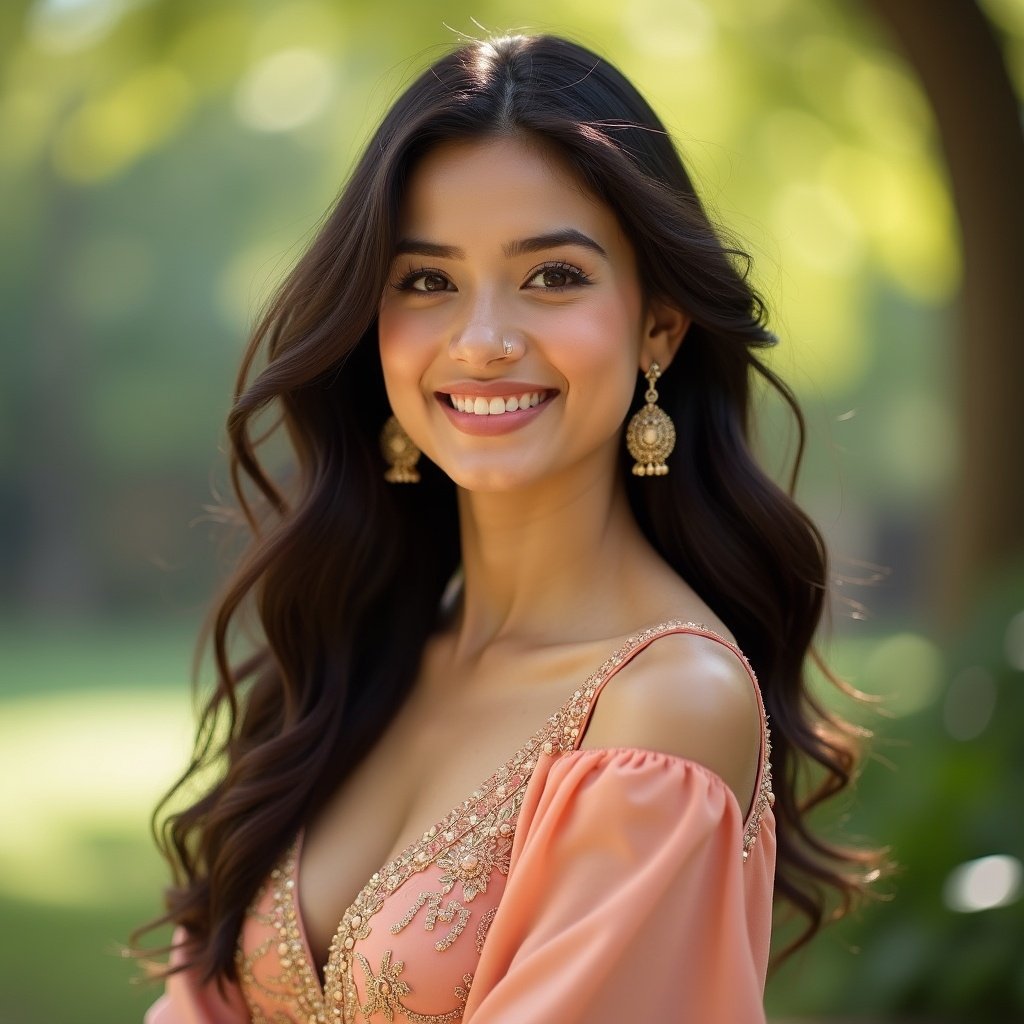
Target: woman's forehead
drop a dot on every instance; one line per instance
(505, 186)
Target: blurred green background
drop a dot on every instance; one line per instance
(162, 164)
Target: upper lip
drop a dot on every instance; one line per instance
(492, 388)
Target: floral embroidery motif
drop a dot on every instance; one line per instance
(473, 861)
(383, 992)
(482, 827)
(472, 842)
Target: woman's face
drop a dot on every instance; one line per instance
(513, 326)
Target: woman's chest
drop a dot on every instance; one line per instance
(418, 773)
(408, 867)
(433, 756)
(407, 946)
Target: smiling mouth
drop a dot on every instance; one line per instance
(478, 406)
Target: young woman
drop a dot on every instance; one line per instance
(497, 756)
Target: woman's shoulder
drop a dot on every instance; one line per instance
(687, 694)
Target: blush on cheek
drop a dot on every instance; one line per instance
(404, 350)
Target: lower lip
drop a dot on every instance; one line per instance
(491, 426)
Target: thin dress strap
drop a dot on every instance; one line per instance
(763, 796)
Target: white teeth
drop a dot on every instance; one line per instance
(480, 406)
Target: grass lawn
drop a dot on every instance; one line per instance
(94, 724)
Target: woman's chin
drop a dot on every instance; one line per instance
(511, 478)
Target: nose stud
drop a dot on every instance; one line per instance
(483, 344)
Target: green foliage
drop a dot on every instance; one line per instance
(948, 798)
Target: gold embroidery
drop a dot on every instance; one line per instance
(483, 928)
(473, 861)
(572, 714)
(435, 913)
(383, 992)
(472, 841)
(765, 797)
(296, 978)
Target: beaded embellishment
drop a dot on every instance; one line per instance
(469, 844)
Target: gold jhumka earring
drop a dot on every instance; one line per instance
(651, 435)
(400, 453)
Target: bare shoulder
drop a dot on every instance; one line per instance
(686, 695)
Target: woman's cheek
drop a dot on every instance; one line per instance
(403, 341)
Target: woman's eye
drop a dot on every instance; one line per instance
(556, 276)
(423, 281)
(430, 283)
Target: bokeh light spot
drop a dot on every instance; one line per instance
(906, 670)
(693, 28)
(983, 884)
(63, 26)
(285, 91)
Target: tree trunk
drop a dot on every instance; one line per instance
(958, 59)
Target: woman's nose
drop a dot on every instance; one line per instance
(483, 339)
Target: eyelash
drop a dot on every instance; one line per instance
(577, 276)
(405, 283)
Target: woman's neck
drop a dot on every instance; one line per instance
(540, 562)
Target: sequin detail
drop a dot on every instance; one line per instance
(765, 796)
(471, 843)
(436, 911)
(483, 928)
(296, 977)
(575, 711)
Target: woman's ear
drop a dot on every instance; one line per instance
(665, 326)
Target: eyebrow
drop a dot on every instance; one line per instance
(519, 247)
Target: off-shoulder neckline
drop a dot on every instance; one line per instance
(534, 747)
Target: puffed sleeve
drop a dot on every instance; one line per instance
(186, 1001)
(627, 901)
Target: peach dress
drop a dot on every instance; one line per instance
(599, 886)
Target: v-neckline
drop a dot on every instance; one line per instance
(535, 742)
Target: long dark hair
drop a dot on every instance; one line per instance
(340, 563)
